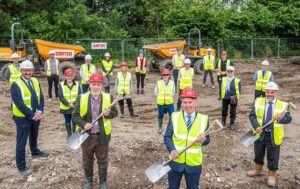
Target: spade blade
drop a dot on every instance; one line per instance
(77, 139)
(248, 139)
(157, 170)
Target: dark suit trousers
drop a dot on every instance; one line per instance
(51, 79)
(191, 179)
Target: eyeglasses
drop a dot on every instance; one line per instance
(165, 75)
(229, 71)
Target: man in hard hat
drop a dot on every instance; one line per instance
(123, 86)
(52, 70)
(264, 110)
(208, 66)
(107, 71)
(177, 63)
(88, 107)
(230, 94)
(27, 108)
(68, 90)
(261, 78)
(165, 91)
(221, 69)
(140, 71)
(14, 69)
(186, 126)
(86, 70)
(185, 78)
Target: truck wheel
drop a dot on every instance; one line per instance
(150, 63)
(295, 60)
(198, 67)
(167, 63)
(3, 72)
(65, 65)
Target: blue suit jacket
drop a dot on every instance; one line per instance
(181, 167)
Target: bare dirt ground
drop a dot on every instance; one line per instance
(135, 144)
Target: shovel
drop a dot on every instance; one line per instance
(250, 137)
(79, 137)
(159, 168)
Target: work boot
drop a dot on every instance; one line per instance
(69, 130)
(231, 126)
(25, 172)
(88, 178)
(132, 114)
(271, 178)
(142, 92)
(160, 123)
(102, 178)
(256, 171)
(138, 91)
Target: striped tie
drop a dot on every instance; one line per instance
(189, 122)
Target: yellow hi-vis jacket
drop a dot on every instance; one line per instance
(26, 95)
(186, 78)
(182, 137)
(219, 65)
(14, 74)
(49, 66)
(165, 93)
(278, 129)
(209, 62)
(106, 101)
(144, 69)
(87, 73)
(69, 94)
(224, 85)
(178, 61)
(107, 65)
(261, 81)
(124, 83)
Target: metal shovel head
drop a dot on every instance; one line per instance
(248, 139)
(157, 170)
(77, 139)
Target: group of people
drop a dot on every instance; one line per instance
(82, 104)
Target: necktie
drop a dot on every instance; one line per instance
(189, 122)
(263, 74)
(30, 87)
(208, 57)
(269, 115)
(88, 67)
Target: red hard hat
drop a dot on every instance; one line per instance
(69, 72)
(123, 63)
(188, 93)
(165, 71)
(96, 78)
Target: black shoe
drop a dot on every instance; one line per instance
(138, 91)
(25, 172)
(134, 115)
(41, 154)
(224, 124)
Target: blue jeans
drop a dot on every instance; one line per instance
(191, 179)
(162, 109)
(85, 88)
(26, 128)
(68, 120)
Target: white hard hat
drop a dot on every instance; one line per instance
(265, 63)
(187, 61)
(230, 68)
(272, 86)
(209, 49)
(107, 54)
(27, 64)
(88, 57)
(51, 52)
(15, 55)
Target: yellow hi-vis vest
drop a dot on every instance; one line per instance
(182, 137)
(87, 73)
(178, 61)
(107, 65)
(219, 65)
(278, 129)
(69, 95)
(186, 80)
(224, 85)
(209, 63)
(26, 95)
(144, 69)
(14, 74)
(261, 81)
(84, 99)
(165, 93)
(49, 67)
(124, 83)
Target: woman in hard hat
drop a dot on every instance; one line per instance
(140, 71)
(165, 91)
(107, 71)
(68, 90)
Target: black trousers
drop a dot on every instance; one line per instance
(259, 94)
(175, 76)
(273, 152)
(179, 101)
(129, 104)
(51, 79)
(219, 79)
(211, 76)
(140, 78)
(225, 105)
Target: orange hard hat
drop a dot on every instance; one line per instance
(123, 63)
(165, 71)
(96, 78)
(188, 93)
(69, 72)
